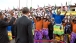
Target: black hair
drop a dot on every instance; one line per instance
(25, 10)
(44, 18)
(6, 19)
(38, 17)
(74, 20)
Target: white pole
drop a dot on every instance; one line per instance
(75, 8)
(19, 4)
(19, 9)
(26, 3)
(31, 3)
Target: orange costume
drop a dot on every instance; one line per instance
(74, 27)
(38, 24)
(38, 31)
(45, 29)
(73, 34)
(45, 24)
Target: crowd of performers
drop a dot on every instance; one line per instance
(60, 28)
(52, 26)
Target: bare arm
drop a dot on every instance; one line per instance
(65, 13)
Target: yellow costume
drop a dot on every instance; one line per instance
(9, 35)
(57, 30)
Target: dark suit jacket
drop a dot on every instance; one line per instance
(12, 20)
(13, 26)
(3, 32)
(50, 31)
(24, 30)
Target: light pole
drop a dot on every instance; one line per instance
(19, 4)
(31, 3)
(26, 3)
(19, 10)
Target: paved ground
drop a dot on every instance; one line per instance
(14, 42)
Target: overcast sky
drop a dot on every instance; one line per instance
(5, 4)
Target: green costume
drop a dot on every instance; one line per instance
(57, 30)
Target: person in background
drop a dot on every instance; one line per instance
(38, 31)
(13, 19)
(67, 30)
(50, 29)
(9, 27)
(23, 28)
(5, 17)
(45, 27)
(3, 29)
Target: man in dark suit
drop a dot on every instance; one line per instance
(24, 28)
(3, 30)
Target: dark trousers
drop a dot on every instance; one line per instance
(50, 31)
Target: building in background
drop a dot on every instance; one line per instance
(72, 9)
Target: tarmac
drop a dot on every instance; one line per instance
(13, 41)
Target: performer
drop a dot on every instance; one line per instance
(67, 30)
(58, 27)
(45, 27)
(38, 31)
(73, 34)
